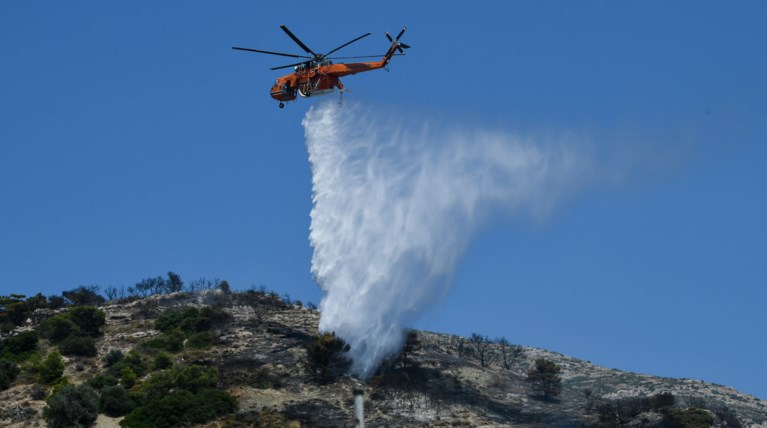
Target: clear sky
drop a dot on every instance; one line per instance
(134, 141)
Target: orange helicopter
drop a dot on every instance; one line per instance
(317, 75)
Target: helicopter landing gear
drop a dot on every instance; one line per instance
(282, 105)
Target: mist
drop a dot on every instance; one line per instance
(396, 203)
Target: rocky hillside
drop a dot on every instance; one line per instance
(260, 352)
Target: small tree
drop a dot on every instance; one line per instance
(174, 283)
(327, 357)
(84, 296)
(509, 353)
(545, 378)
(482, 348)
(72, 406)
(111, 292)
(51, 368)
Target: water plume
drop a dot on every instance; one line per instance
(396, 203)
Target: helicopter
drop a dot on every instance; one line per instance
(317, 74)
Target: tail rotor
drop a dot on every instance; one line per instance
(400, 45)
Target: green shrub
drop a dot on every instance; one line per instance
(181, 408)
(194, 378)
(115, 401)
(88, 318)
(191, 378)
(20, 347)
(133, 361)
(689, 418)
(8, 372)
(172, 341)
(58, 328)
(100, 381)
(83, 346)
(72, 406)
(51, 368)
(113, 357)
(163, 361)
(128, 377)
(16, 310)
(191, 320)
(170, 320)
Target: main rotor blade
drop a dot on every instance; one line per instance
(356, 57)
(347, 44)
(270, 53)
(286, 66)
(295, 39)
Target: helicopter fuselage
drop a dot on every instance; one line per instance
(312, 80)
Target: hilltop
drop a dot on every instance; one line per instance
(255, 347)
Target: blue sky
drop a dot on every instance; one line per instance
(134, 141)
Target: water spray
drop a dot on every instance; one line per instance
(396, 205)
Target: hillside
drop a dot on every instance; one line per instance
(258, 343)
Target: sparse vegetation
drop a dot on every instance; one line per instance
(171, 378)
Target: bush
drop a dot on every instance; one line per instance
(172, 341)
(689, 418)
(163, 361)
(113, 357)
(115, 401)
(88, 318)
(191, 320)
(18, 348)
(327, 357)
(72, 406)
(98, 382)
(133, 361)
(51, 368)
(181, 408)
(8, 373)
(128, 377)
(83, 346)
(58, 328)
